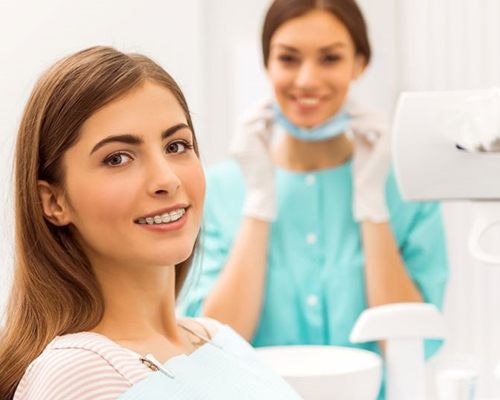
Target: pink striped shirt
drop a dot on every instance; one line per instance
(83, 366)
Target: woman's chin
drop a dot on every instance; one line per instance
(170, 259)
(308, 123)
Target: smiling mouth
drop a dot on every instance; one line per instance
(162, 219)
(307, 101)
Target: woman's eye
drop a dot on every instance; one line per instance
(331, 58)
(287, 59)
(117, 159)
(178, 147)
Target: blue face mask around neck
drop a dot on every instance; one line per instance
(335, 126)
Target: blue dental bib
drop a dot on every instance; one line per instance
(220, 370)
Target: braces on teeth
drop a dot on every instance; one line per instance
(163, 218)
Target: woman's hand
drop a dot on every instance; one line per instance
(251, 147)
(371, 164)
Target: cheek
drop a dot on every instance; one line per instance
(342, 76)
(280, 78)
(101, 201)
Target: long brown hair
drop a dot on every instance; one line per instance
(346, 11)
(54, 290)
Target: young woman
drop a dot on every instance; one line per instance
(308, 228)
(109, 198)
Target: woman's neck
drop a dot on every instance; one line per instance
(139, 303)
(296, 155)
(140, 309)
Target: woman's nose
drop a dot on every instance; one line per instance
(162, 178)
(307, 76)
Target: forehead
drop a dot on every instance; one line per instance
(149, 107)
(316, 28)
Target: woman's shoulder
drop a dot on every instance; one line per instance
(80, 366)
(222, 335)
(202, 326)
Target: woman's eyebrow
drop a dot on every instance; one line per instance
(286, 47)
(136, 140)
(127, 138)
(322, 49)
(332, 46)
(170, 131)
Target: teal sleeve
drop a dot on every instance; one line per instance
(221, 219)
(425, 255)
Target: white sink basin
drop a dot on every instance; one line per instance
(327, 372)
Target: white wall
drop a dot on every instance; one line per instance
(233, 73)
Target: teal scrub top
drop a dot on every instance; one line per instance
(315, 283)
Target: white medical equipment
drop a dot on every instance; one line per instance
(446, 146)
(403, 327)
(327, 372)
(456, 384)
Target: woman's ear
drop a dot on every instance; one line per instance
(359, 65)
(55, 208)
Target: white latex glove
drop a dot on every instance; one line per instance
(251, 148)
(371, 163)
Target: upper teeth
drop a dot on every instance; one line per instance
(308, 100)
(163, 218)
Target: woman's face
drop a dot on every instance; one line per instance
(134, 185)
(312, 61)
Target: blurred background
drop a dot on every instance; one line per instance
(212, 49)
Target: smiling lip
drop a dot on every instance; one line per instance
(171, 226)
(307, 103)
(164, 210)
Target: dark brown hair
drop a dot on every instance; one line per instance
(55, 290)
(346, 11)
